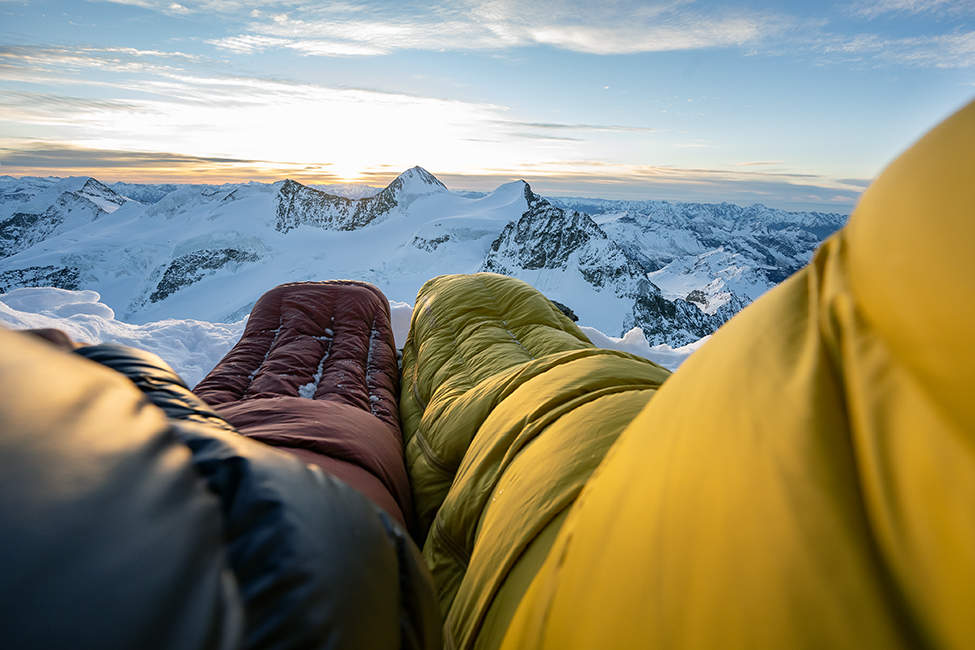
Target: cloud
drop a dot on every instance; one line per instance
(58, 103)
(115, 60)
(677, 34)
(131, 51)
(608, 128)
(542, 136)
(855, 182)
(874, 8)
(622, 27)
(255, 44)
(197, 6)
(954, 50)
(54, 158)
(64, 156)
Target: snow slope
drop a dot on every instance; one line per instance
(193, 347)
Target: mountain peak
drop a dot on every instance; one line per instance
(416, 181)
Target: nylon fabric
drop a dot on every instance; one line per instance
(806, 479)
(507, 409)
(315, 374)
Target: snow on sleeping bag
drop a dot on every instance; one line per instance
(807, 478)
(507, 408)
(315, 374)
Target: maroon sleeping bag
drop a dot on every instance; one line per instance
(315, 374)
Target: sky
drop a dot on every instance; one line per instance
(795, 105)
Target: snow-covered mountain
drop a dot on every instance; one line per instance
(38, 209)
(207, 252)
(719, 250)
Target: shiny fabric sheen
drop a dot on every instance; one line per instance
(333, 342)
(807, 478)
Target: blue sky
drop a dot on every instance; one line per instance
(790, 104)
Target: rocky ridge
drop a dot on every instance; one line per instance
(550, 237)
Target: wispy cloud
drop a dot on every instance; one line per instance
(543, 136)
(953, 50)
(65, 59)
(373, 27)
(255, 44)
(19, 106)
(558, 126)
(622, 27)
(56, 155)
(198, 6)
(56, 158)
(135, 52)
(875, 8)
(855, 182)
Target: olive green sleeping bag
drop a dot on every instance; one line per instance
(507, 409)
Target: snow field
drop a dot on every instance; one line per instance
(193, 347)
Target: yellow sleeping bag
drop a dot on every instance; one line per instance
(807, 479)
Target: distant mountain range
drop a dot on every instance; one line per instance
(676, 270)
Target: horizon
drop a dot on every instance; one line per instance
(378, 188)
(703, 101)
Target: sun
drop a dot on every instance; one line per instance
(346, 170)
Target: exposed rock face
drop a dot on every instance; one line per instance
(64, 277)
(193, 267)
(545, 237)
(549, 237)
(24, 229)
(430, 244)
(677, 322)
(697, 297)
(566, 310)
(69, 209)
(299, 205)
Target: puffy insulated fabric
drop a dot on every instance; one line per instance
(142, 520)
(807, 478)
(315, 374)
(507, 408)
(110, 537)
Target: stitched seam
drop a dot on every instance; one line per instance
(368, 383)
(428, 452)
(320, 370)
(253, 374)
(455, 549)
